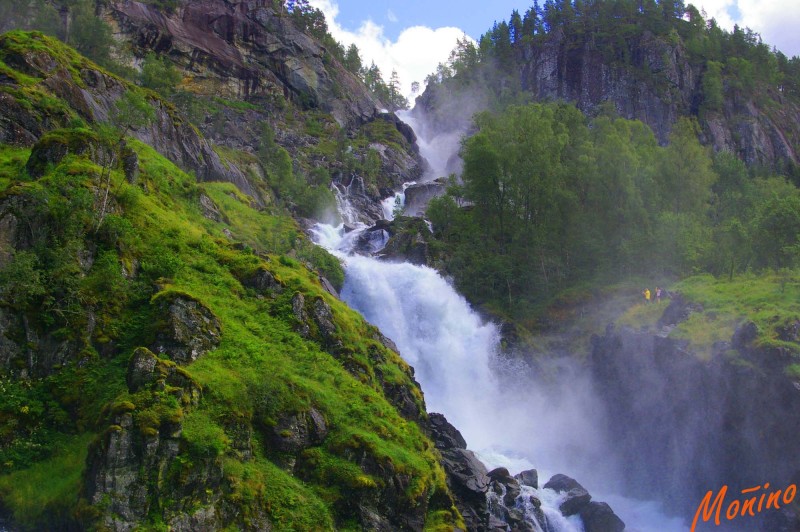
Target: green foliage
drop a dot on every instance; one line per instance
(132, 111)
(89, 34)
(713, 96)
(47, 492)
(768, 300)
(161, 236)
(21, 281)
(555, 201)
(733, 64)
(159, 74)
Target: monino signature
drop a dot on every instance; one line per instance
(752, 501)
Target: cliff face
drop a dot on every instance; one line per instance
(252, 54)
(684, 426)
(83, 90)
(246, 49)
(658, 88)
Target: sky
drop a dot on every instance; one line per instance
(413, 36)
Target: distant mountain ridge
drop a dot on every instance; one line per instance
(655, 62)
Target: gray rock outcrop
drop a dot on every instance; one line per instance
(247, 49)
(189, 329)
(466, 476)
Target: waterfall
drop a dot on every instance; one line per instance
(507, 416)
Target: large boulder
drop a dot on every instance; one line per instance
(599, 517)
(293, 433)
(576, 495)
(529, 478)
(54, 146)
(510, 486)
(409, 241)
(418, 196)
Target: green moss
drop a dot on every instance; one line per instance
(123, 407)
(203, 436)
(289, 503)
(771, 301)
(384, 132)
(43, 496)
(156, 245)
(12, 164)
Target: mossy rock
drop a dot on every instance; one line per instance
(57, 145)
(188, 329)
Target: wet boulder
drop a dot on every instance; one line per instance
(528, 478)
(510, 487)
(577, 496)
(466, 475)
(599, 517)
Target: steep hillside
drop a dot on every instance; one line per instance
(248, 66)
(171, 354)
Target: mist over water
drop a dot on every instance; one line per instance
(439, 149)
(509, 414)
(506, 417)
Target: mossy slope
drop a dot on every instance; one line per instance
(290, 418)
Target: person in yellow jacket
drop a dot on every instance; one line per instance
(646, 295)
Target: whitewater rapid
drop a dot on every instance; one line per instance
(508, 417)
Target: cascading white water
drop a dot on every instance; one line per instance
(436, 149)
(395, 204)
(507, 418)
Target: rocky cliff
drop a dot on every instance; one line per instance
(248, 50)
(248, 68)
(648, 77)
(683, 426)
(84, 91)
(659, 86)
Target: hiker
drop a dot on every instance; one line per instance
(647, 295)
(658, 295)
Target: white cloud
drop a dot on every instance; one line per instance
(776, 21)
(391, 16)
(415, 53)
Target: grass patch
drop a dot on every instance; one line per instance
(703, 330)
(643, 315)
(770, 300)
(12, 164)
(43, 496)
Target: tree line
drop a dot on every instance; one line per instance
(731, 64)
(551, 199)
